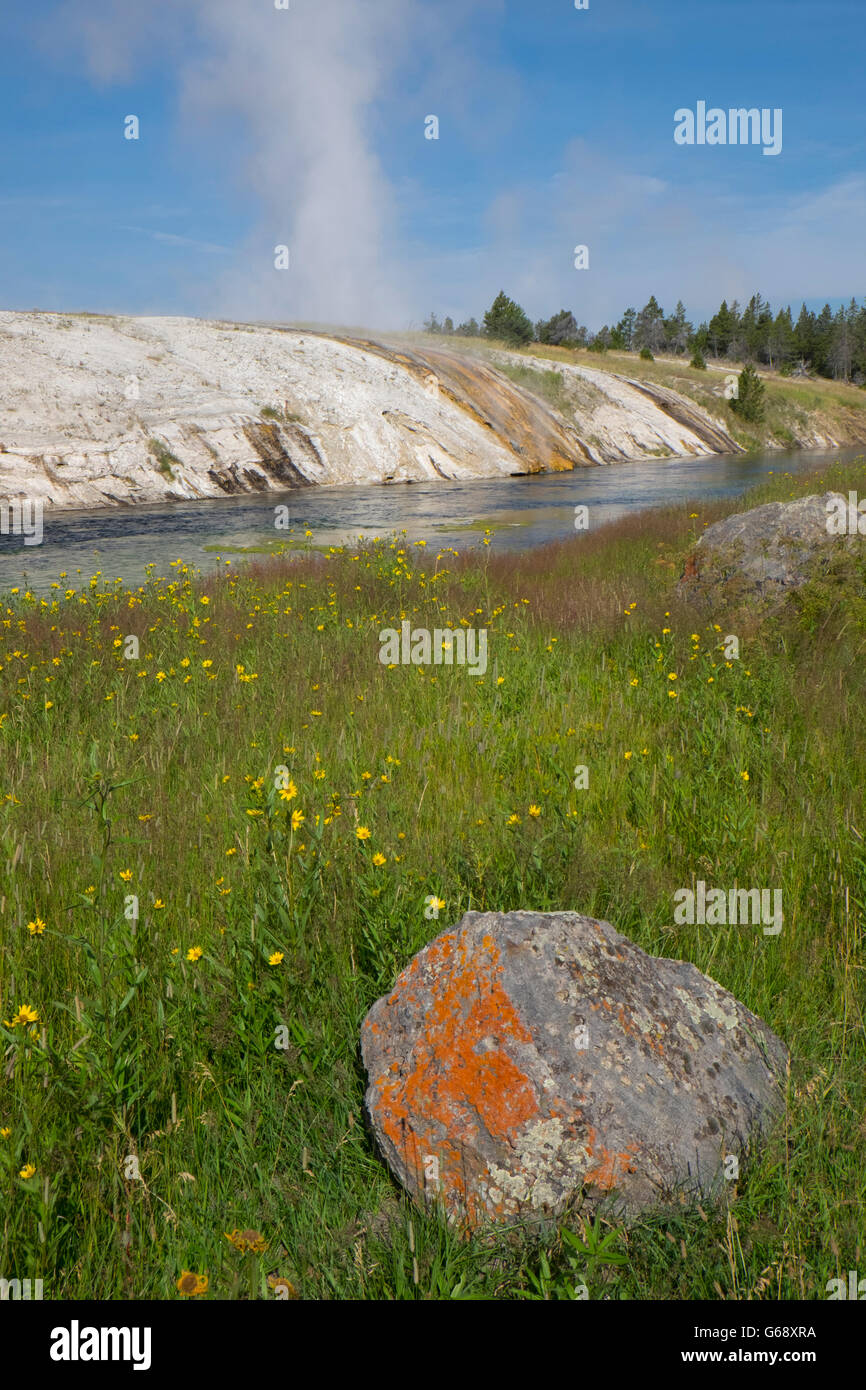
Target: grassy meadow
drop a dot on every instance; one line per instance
(181, 1098)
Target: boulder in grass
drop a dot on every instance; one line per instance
(526, 1059)
(763, 554)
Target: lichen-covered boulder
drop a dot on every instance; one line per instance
(761, 555)
(524, 1058)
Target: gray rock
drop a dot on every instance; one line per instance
(524, 1058)
(764, 553)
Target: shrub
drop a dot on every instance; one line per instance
(749, 401)
(646, 355)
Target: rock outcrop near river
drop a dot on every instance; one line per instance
(98, 411)
(613, 418)
(525, 1060)
(759, 557)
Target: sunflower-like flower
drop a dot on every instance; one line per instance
(247, 1240)
(191, 1285)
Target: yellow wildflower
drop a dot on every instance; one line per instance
(191, 1285)
(24, 1015)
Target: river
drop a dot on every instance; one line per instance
(524, 512)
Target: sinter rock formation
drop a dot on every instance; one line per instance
(525, 1059)
(98, 411)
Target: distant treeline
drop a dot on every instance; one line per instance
(827, 344)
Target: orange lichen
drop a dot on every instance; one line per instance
(462, 1074)
(606, 1168)
(625, 1022)
(464, 1081)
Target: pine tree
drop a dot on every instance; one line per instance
(720, 330)
(841, 353)
(507, 321)
(649, 327)
(780, 342)
(823, 336)
(764, 331)
(804, 335)
(624, 331)
(562, 328)
(754, 325)
(749, 400)
(701, 340)
(678, 330)
(859, 330)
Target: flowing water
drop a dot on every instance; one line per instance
(524, 512)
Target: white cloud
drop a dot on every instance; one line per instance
(172, 239)
(694, 240)
(308, 88)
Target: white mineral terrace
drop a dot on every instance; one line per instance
(98, 411)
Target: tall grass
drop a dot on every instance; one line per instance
(194, 1072)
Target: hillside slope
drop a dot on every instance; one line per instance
(98, 411)
(800, 412)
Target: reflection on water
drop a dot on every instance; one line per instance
(531, 510)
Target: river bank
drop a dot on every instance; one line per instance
(521, 513)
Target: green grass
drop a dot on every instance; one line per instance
(154, 1039)
(291, 543)
(164, 457)
(550, 385)
(487, 524)
(285, 417)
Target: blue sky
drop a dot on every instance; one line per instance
(305, 127)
